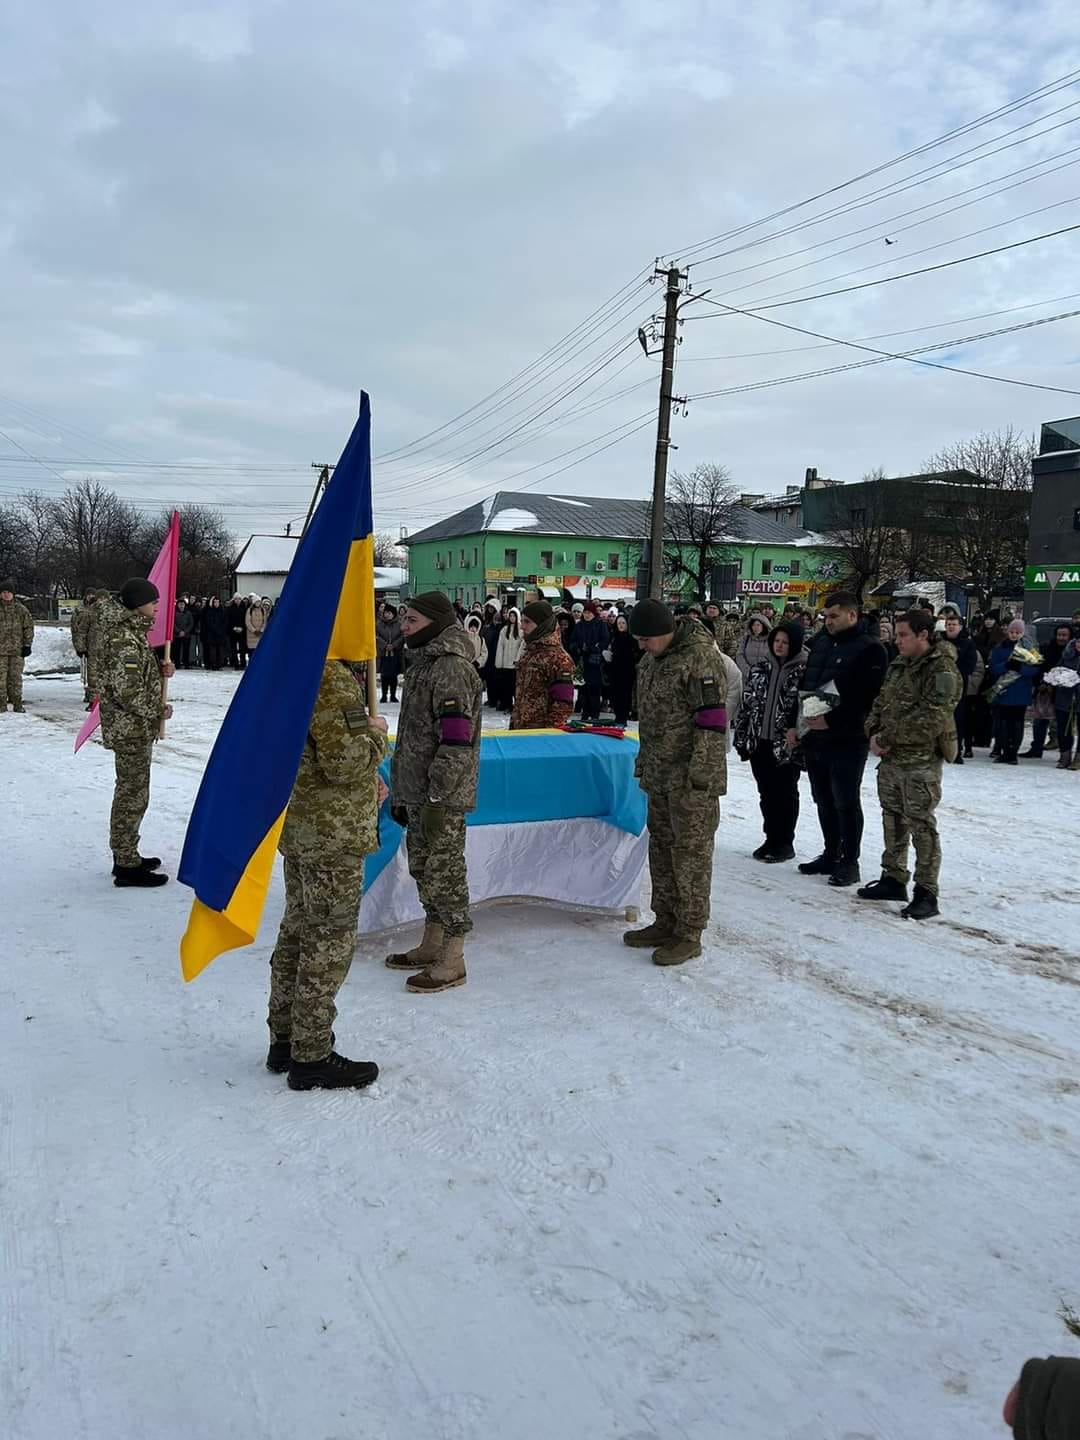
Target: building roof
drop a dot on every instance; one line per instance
(590, 517)
(273, 555)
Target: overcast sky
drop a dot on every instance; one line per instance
(217, 225)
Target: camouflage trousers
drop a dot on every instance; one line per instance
(909, 796)
(314, 949)
(130, 799)
(88, 670)
(682, 825)
(439, 872)
(11, 673)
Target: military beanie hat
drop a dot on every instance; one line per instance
(436, 607)
(6, 585)
(136, 592)
(650, 618)
(538, 611)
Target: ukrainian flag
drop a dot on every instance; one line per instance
(326, 612)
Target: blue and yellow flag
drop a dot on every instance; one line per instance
(326, 612)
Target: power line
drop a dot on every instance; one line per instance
(889, 279)
(884, 355)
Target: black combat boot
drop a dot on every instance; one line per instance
(847, 873)
(884, 889)
(135, 877)
(333, 1073)
(923, 907)
(279, 1056)
(777, 854)
(149, 862)
(760, 852)
(823, 865)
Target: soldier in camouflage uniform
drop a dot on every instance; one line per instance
(132, 710)
(544, 688)
(433, 785)
(332, 822)
(16, 642)
(912, 727)
(682, 766)
(80, 640)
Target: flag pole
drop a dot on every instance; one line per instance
(165, 690)
(372, 688)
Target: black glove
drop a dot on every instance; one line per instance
(399, 815)
(26, 650)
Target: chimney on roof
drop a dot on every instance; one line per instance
(811, 477)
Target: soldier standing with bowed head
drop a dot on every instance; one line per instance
(682, 766)
(132, 709)
(544, 690)
(433, 781)
(912, 727)
(332, 822)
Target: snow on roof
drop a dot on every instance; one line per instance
(390, 577)
(267, 555)
(513, 520)
(565, 500)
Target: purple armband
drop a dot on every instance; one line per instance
(561, 692)
(711, 717)
(455, 730)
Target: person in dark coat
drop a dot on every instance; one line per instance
(183, 627)
(587, 646)
(215, 633)
(622, 670)
(835, 744)
(967, 662)
(980, 719)
(765, 736)
(1011, 693)
(389, 643)
(1044, 1404)
(1052, 652)
(235, 616)
(489, 634)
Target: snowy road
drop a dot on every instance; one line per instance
(819, 1185)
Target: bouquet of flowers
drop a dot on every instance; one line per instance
(815, 702)
(1023, 656)
(1062, 677)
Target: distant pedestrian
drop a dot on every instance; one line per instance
(588, 643)
(622, 656)
(255, 618)
(389, 643)
(753, 648)
(215, 633)
(80, 640)
(183, 628)
(508, 648)
(969, 664)
(1012, 691)
(16, 643)
(1045, 708)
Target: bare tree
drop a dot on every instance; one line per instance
(701, 520)
(987, 532)
(207, 548)
(36, 534)
(388, 551)
(863, 534)
(97, 536)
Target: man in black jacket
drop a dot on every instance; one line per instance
(967, 659)
(835, 744)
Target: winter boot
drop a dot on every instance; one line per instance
(884, 889)
(1064, 760)
(969, 753)
(959, 760)
(923, 906)
(20, 708)
(447, 971)
(1031, 754)
(652, 935)
(1075, 764)
(147, 862)
(135, 877)
(422, 955)
(844, 875)
(777, 854)
(823, 865)
(761, 852)
(333, 1073)
(678, 950)
(279, 1056)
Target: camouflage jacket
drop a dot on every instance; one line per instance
(728, 636)
(16, 628)
(80, 628)
(544, 689)
(334, 807)
(437, 751)
(913, 715)
(129, 677)
(682, 718)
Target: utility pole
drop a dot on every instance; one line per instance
(674, 277)
(320, 485)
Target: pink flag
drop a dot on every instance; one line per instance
(163, 575)
(90, 724)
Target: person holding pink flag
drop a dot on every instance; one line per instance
(132, 708)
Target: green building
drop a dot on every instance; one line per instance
(571, 547)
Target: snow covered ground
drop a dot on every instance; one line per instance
(819, 1185)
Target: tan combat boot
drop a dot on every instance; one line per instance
(661, 930)
(422, 955)
(448, 970)
(677, 950)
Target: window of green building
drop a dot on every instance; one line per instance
(581, 559)
(766, 567)
(796, 568)
(613, 560)
(510, 559)
(547, 559)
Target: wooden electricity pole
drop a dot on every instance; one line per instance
(674, 277)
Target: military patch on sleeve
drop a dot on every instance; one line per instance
(455, 727)
(355, 720)
(944, 686)
(711, 713)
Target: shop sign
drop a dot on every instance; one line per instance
(498, 574)
(760, 587)
(1052, 577)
